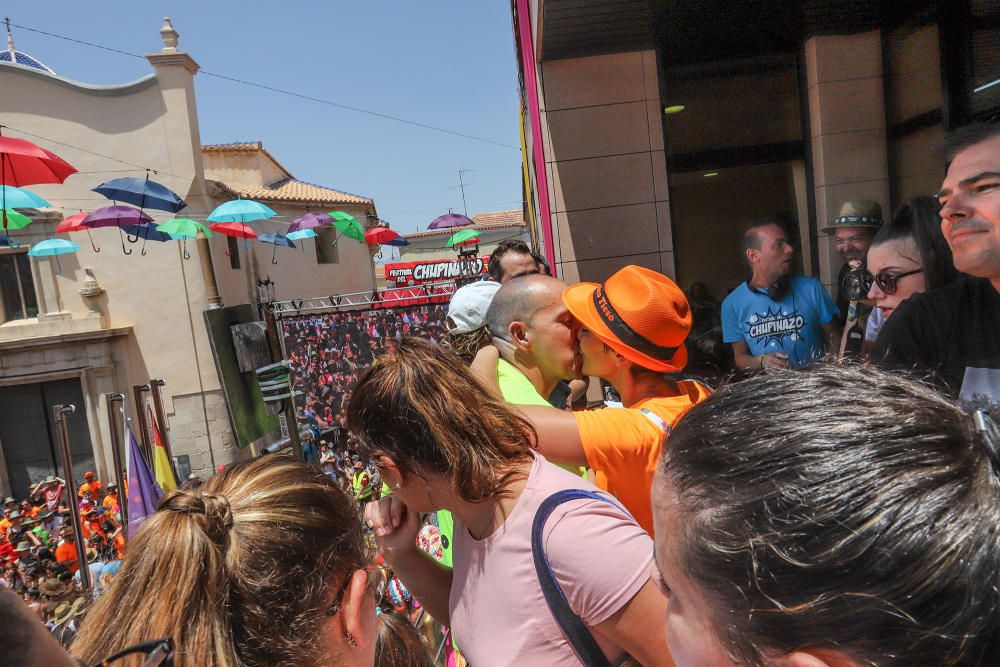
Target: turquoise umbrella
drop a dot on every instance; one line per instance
(21, 198)
(53, 248)
(241, 211)
(301, 235)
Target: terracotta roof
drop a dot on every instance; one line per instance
(298, 192)
(484, 222)
(245, 147)
(515, 217)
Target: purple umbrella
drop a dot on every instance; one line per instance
(116, 216)
(449, 220)
(310, 220)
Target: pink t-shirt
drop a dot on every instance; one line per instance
(599, 555)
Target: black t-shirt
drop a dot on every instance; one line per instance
(953, 331)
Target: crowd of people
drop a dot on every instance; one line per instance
(40, 556)
(834, 503)
(329, 352)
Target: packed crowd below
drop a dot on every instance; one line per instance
(783, 477)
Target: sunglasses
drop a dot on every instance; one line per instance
(158, 653)
(887, 281)
(376, 583)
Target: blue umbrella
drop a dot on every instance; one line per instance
(53, 248)
(276, 240)
(398, 241)
(19, 198)
(147, 231)
(142, 192)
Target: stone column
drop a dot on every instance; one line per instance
(602, 128)
(847, 120)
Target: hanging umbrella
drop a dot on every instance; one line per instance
(449, 220)
(147, 231)
(53, 248)
(116, 216)
(16, 220)
(240, 211)
(275, 240)
(399, 241)
(301, 234)
(379, 235)
(183, 228)
(309, 221)
(348, 226)
(237, 229)
(18, 198)
(461, 237)
(24, 163)
(141, 192)
(74, 223)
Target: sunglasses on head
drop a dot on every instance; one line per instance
(887, 281)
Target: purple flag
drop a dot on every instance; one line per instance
(143, 491)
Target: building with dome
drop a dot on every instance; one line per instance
(76, 328)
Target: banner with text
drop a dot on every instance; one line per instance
(404, 274)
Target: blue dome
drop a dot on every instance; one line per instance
(12, 55)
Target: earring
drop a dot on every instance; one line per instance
(349, 638)
(397, 486)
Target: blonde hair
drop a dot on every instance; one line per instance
(239, 571)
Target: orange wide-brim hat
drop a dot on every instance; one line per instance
(639, 313)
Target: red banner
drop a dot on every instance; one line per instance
(405, 274)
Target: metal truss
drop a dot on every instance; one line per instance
(361, 300)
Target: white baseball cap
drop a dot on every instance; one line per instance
(468, 306)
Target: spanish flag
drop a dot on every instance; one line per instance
(161, 462)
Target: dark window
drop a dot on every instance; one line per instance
(985, 29)
(17, 286)
(234, 251)
(328, 246)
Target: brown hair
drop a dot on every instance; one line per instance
(398, 644)
(808, 522)
(238, 571)
(421, 407)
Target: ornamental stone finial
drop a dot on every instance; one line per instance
(169, 36)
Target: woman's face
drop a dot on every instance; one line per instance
(690, 630)
(895, 257)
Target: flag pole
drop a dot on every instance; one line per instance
(116, 452)
(161, 418)
(59, 412)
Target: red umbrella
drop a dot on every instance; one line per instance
(237, 229)
(473, 241)
(379, 235)
(74, 223)
(24, 163)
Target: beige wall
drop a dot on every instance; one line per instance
(847, 119)
(603, 141)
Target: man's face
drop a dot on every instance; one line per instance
(551, 331)
(853, 242)
(970, 209)
(774, 258)
(596, 358)
(515, 264)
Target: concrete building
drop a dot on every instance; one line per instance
(94, 323)
(656, 129)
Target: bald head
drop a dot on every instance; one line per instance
(518, 301)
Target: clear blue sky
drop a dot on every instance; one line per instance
(448, 63)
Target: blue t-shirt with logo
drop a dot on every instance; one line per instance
(792, 325)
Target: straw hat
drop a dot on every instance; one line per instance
(861, 213)
(639, 313)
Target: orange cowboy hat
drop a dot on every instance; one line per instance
(639, 313)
